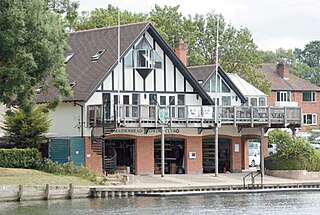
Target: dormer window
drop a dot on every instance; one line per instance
(96, 57)
(68, 58)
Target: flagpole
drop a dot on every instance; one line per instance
(118, 110)
(216, 108)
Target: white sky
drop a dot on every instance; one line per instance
(273, 23)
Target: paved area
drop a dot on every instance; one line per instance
(184, 180)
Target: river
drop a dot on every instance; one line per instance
(259, 203)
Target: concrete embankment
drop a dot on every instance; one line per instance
(154, 185)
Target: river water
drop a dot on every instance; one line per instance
(259, 203)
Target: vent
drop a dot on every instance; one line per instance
(96, 57)
(39, 90)
(68, 58)
(72, 84)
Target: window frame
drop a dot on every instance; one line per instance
(313, 97)
(313, 119)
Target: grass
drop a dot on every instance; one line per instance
(11, 176)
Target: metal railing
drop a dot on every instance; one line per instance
(253, 177)
(203, 116)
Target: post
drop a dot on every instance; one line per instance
(20, 192)
(262, 154)
(71, 191)
(47, 192)
(216, 151)
(162, 150)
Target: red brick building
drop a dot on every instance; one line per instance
(288, 90)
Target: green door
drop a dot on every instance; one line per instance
(77, 151)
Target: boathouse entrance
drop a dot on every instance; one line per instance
(208, 155)
(174, 156)
(119, 155)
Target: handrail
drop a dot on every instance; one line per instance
(244, 178)
(261, 179)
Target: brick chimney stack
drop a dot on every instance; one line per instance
(181, 50)
(283, 70)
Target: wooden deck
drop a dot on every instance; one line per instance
(146, 116)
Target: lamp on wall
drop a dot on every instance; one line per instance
(197, 97)
(145, 96)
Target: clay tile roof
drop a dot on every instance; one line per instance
(294, 83)
(85, 44)
(202, 72)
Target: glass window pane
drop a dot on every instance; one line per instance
(226, 100)
(225, 88)
(129, 60)
(181, 100)
(162, 100)
(153, 99)
(172, 100)
(253, 101)
(262, 102)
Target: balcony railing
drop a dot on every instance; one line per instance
(145, 116)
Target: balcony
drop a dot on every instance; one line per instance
(286, 104)
(146, 116)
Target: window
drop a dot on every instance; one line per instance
(94, 115)
(96, 57)
(310, 119)
(135, 103)
(128, 60)
(225, 88)
(143, 58)
(253, 101)
(283, 96)
(68, 58)
(309, 96)
(262, 101)
(172, 101)
(181, 110)
(152, 101)
(162, 100)
(226, 100)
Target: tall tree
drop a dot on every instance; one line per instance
(32, 46)
(101, 17)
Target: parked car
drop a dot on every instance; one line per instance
(254, 145)
(254, 157)
(272, 148)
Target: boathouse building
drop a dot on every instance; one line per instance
(112, 120)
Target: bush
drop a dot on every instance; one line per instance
(19, 158)
(292, 153)
(69, 168)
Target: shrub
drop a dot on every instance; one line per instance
(69, 168)
(19, 158)
(293, 153)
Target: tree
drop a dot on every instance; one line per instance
(107, 17)
(32, 46)
(26, 128)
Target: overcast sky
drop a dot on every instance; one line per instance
(273, 23)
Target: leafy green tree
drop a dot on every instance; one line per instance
(107, 17)
(311, 53)
(32, 46)
(26, 128)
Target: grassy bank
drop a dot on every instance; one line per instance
(13, 176)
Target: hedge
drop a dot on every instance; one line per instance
(19, 158)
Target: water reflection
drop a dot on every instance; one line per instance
(266, 203)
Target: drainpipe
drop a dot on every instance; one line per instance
(81, 117)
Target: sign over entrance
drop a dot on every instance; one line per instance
(163, 115)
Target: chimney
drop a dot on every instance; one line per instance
(283, 70)
(181, 50)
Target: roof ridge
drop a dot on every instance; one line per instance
(109, 27)
(201, 66)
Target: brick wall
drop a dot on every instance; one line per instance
(144, 156)
(93, 161)
(193, 144)
(235, 157)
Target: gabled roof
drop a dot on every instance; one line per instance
(293, 83)
(89, 75)
(203, 73)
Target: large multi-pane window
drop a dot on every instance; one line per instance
(283, 96)
(143, 56)
(210, 85)
(94, 113)
(310, 119)
(226, 100)
(309, 96)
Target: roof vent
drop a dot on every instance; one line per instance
(68, 58)
(73, 84)
(38, 91)
(96, 57)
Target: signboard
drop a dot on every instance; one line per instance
(198, 112)
(164, 115)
